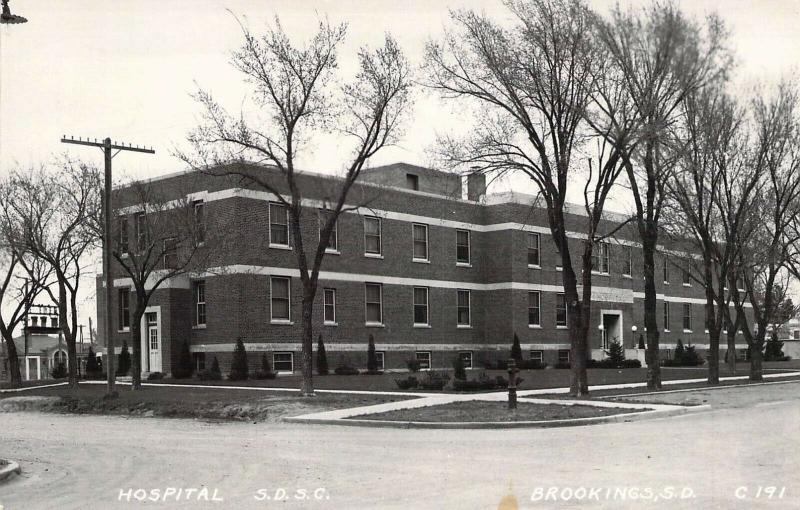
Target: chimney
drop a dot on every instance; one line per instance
(476, 186)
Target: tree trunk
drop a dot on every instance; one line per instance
(72, 355)
(579, 384)
(756, 359)
(731, 354)
(712, 325)
(650, 313)
(307, 388)
(13, 363)
(136, 341)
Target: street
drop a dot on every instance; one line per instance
(744, 453)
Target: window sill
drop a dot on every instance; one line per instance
(627, 276)
(282, 322)
(422, 326)
(666, 331)
(421, 261)
(199, 326)
(666, 283)
(463, 326)
(600, 273)
(534, 266)
(373, 255)
(328, 323)
(374, 325)
(463, 264)
(280, 246)
(562, 327)
(687, 331)
(332, 252)
(538, 326)
(124, 330)
(559, 268)
(687, 284)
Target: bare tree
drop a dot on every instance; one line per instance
(714, 153)
(536, 85)
(295, 88)
(22, 278)
(763, 266)
(57, 209)
(663, 56)
(157, 239)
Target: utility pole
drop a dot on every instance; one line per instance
(106, 146)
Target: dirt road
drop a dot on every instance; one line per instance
(724, 458)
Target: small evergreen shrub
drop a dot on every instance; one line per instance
(434, 380)
(124, 360)
(211, 374)
(93, 370)
(774, 350)
(459, 372)
(322, 357)
(266, 369)
(155, 376)
(184, 367)
(516, 350)
(409, 383)
(616, 354)
(239, 368)
(59, 372)
(413, 365)
(372, 358)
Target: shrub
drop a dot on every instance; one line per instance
(266, 369)
(59, 372)
(533, 364)
(434, 380)
(322, 357)
(372, 359)
(93, 370)
(679, 351)
(155, 376)
(239, 369)
(609, 363)
(616, 354)
(124, 360)
(459, 372)
(474, 385)
(413, 365)
(502, 383)
(344, 368)
(502, 364)
(409, 383)
(562, 364)
(212, 374)
(516, 350)
(774, 350)
(690, 357)
(184, 367)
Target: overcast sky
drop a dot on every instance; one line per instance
(126, 69)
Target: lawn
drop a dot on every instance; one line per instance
(202, 403)
(482, 411)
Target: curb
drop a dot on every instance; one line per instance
(574, 422)
(8, 468)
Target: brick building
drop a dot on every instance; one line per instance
(429, 274)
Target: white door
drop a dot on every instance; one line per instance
(153, 343)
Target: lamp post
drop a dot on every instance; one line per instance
(634, 329)
(602, 336)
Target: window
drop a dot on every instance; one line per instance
(199, 361)
(687, 317)
(278, 225)
(666, 315)
(534, 303)
(537, 356)
(123, 235)
(796, 334)
(464, 308)
(420, 306)
(171, 253)
(333, 241)
(199, 221)
(372, 235)
(601, 258)
(329, 306)
(412, 182)
(200, 303)
(561, 311)
(374, 295)
(420, 234)
(462, 246)
(380, 360)
(533, 249)
(280, 299)
(563, 355)
(283, 361)
(466, 358)
(687, 278)
(666, 270)
(424, 359)
(627, 260)
(124, 309)
(141, 232)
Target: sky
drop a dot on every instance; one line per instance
(127, 70)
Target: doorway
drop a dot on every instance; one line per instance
(612, 328)
(151, 340)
